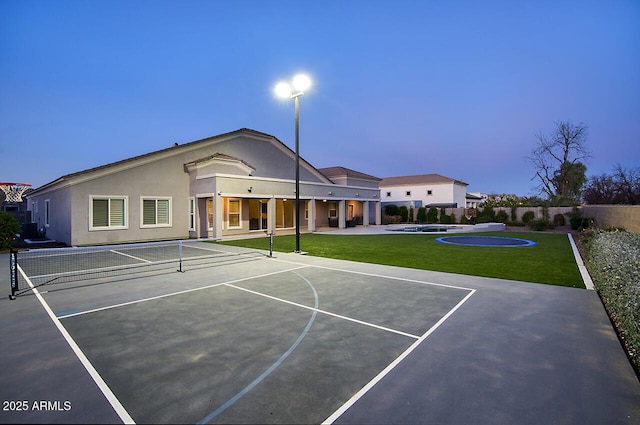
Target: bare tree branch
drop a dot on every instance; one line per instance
(558, 160)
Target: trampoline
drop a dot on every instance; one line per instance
(495, 241)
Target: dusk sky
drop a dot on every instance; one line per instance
(459, 88)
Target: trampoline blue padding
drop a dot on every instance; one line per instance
(496, 241)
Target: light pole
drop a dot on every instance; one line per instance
(293, 91)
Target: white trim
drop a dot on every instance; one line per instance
(278, 180)
(191, 213)
(239, 213)
(156, 198)
(586, 278)
(92, 228)
(47, 212)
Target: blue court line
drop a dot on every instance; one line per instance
(273, 367)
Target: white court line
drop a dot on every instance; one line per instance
(325, 312)
(106, 391)
(211, 249)
(130, 256)
(65, 316)
(177, 293)
(395, 363)
(382, 276)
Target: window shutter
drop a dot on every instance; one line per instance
(116, 212)
(163, 211)
(149, 212)
(100, 212)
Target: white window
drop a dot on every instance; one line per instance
(46, 212)
(156, 212)
(210, 213)
(192, 213)
(107, 212)
(333, 209)
(233, 214)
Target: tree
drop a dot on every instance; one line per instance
(621, 187)
(9, 227)
(558, 161)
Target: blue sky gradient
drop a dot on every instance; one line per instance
(459, 88)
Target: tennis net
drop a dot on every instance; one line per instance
(59, 265)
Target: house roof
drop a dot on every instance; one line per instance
(66, 179)
(419, 179)
(472, 196)
(346, 172)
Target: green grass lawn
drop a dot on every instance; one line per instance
(550, 261)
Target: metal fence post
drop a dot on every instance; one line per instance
(13, 269)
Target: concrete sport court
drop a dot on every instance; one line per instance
(299, 339)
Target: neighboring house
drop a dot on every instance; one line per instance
(236, 183)
(475, 198)
(356, 213)
(423, 190)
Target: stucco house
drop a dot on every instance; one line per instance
(235, 183)
(423, 190)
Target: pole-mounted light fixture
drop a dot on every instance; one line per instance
(298, 85)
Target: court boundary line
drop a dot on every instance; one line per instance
(328, 313)
(424, 282)
(364, 390)
(349, 403)
(115, 251)
(97, 379)
(80, 313)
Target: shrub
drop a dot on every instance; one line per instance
(514, 213)
(452, 217)
(614, 263)
(391, 219)
(444, 218)
(545, 212)
(502, 216)
(432, 215)
(580, 223)
(9, 227)
(540, 224)
(515, 223)
(487, 215)
(404, 213)
(422, 215)
(528, 216)
(558, 220)
(391, 209)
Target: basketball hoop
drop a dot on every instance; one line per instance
(14, 191)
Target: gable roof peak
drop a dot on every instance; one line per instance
(339, 171)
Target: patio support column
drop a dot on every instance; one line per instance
(311, 220)
(365, 213)
(218, 204)
(378, 213)
(342, 212)
(271, 215)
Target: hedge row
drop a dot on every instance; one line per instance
(614, 264)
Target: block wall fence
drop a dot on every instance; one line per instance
(627, 216)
